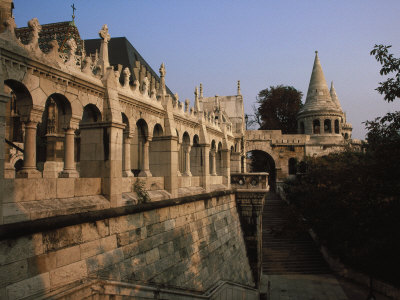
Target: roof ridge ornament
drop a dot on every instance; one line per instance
(162, 90)
(105, 36)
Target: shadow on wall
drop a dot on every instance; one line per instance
(190, 245)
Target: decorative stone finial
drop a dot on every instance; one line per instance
(238, 88)
(35, 27)
(103, 33)
(201, 90)
(105, 36)
(145, 86)
(71, 44)
(127, 74)
(187, 102)
(196, 100)
(162, 89)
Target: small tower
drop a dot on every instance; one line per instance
(321, 116)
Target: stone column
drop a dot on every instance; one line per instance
(69, 158)
(187, 161)
(126, 172)
(29, 169)
(213, 166)
(145, 172)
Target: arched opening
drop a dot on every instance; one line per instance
(50, 144)
(327, 126)
(212, 158)
(346, 136)
(218, 159)
(195, 157)
(302, 129)
(316, 127)
(141, 150)
(89, 143)
(261, 161)
(292, 166)
(185, 154)
(337, 126)
(126, 148)
(156, 152)
(17, 111)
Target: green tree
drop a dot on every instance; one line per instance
(278, 108)
(384, 132)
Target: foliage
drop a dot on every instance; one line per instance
(391, 87)
(140, 189)
(384, 132)
(278, 108)
(353, 203)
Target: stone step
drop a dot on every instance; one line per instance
(287, 255)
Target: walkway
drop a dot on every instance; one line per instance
(293, 266)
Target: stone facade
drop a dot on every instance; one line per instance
(189, 244)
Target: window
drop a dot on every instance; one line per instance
(316, 127)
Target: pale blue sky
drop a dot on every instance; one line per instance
(261, 43)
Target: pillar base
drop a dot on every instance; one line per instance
(29, 173)
(69, 174)
(52, 169)
(145, 173)
(187, 173)
(127, 173)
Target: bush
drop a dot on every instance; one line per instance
(352, 201)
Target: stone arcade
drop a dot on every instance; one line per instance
(78, 132)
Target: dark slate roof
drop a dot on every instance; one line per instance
(121, 52)
(62, 30)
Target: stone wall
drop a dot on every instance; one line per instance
(187, 242)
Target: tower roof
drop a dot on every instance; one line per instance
(318, 95)
(334, 97)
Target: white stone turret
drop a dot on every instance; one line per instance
(321, 116)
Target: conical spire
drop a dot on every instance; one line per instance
(334, 97)
(318, 96)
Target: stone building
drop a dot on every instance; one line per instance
(110, 186)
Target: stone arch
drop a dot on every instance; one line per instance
(19, 113)
(185, 144)
(90, 143)
(212, 158)
(196, 157)
(218, 159)
(56, 119)
(262, 161)
(156, 151)
(142, 149)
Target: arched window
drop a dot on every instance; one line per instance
(336, 126)
(316, 127)
(327, 126)
(292, 166)
(346, 136)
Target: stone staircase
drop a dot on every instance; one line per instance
(287, 250)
